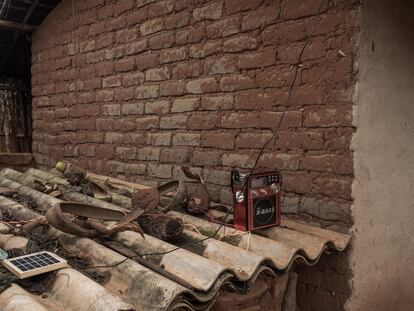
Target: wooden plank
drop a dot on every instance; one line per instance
(16, 26)
(4, 8)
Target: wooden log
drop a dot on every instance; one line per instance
(117, 199)
(16, 26)
(161, 227)
(68, 195)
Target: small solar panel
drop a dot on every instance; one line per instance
(34, 264)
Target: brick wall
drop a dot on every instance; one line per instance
(160, 84)
(16, 161)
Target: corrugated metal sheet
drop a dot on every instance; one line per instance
(233, 258)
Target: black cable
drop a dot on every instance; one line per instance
(297, 65)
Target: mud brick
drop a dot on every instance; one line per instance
(112, 81)
(252, 140)
(330, 163)
(135, 168)
(217, 177)
(132, 108)
(87, 150)
(151, 26)
(136, 16)
(159, 139)
(221, 65)
(162, 41)
(238, 160)
(296, 9)
(224, 28)
(104, 124)
(104, 69)
(262, 17)
(124, 94)
(270, 119)
(125, 64)
(175, 155)
(203, 85)
(335, 187)
(147, 91)
(148, 153)
(205, 158)
(136, 139)
(134, 78)
(205, 49)
(209, 12)
(145, 61)
(326, 209)
(185, 70)
(158, 107)
(113, 137)
(124, 6)
(309, 140)
(220, 140)
(136, 47)
(117, 23)
(240, 43)
(125, 153)
(264, 58)
(157, 74)
(298, 182)
(104, 95)
(105, 151)
(217, 102)
(185, 104)
(236, 82)
(173, 122)
(93, 84)
(146, 123)
(160, 8)
(233, 6)
(280, 161)
(104, 40)
(186, 139)
(173, 55)
(178, 20)
(240, 120)
(328, 116)
(159, 170)
(203, 121)
(173, 88)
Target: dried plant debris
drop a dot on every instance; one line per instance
(146, 199)
(23, 199)
(199, 202)
(74, 174)
(160, 225)
(45, 187)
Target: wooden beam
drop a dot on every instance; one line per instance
(4, 8)
(16, 26)
(16, 35)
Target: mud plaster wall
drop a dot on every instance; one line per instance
(383, 247)
(142, 87)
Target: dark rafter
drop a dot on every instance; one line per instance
(17, 34)
(16, 26)
(3, 8)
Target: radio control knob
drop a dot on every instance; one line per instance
(275, 187)
(239, 196)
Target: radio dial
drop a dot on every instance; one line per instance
(275, 187)
(239, 196)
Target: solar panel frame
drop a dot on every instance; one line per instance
(34, 264)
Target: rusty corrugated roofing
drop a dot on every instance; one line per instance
(233, 258)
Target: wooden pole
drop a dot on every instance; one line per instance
(16, 26)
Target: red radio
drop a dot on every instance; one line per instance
(256, 200)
